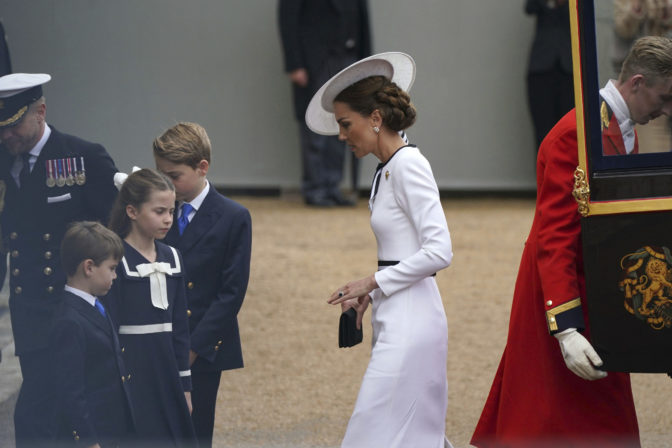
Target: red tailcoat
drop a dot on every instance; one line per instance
(535, 400)
(612, 139)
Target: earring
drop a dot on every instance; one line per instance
(376, 129)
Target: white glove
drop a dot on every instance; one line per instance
(580, 357)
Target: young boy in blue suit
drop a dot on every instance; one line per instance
(92, 405)
(214, 235)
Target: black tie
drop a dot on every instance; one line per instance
(25, 169)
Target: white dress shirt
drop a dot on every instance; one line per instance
(196, 203)
(618, 105)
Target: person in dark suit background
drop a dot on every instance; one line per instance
(319, 39)
(5, 61)
(214, 236)
(550, 88)
(51, 179)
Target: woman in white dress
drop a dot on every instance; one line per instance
(403, 398)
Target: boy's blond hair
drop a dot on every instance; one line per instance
(185, 143)
(89, 240)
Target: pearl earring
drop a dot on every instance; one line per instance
(376, 129)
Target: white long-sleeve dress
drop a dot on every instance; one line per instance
(403, 398)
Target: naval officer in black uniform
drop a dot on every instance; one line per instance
(51, 179)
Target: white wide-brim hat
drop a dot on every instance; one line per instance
(395, 66)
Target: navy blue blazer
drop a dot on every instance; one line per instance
(93, 401)
(216, 248)
(34, 220)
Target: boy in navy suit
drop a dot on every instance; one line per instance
(92, 403)
(214, 235)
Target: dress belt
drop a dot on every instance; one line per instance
(382, 263)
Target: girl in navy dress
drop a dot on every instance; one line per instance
(148, 303)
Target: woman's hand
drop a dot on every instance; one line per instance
(360, 305)
(353, 290)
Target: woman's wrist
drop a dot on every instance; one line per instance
(372, 282)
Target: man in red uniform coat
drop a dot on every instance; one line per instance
(548, 390)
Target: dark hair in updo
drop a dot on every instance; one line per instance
(378, 92)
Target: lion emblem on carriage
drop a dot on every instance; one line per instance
(647, 285)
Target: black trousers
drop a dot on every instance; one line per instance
(34, 419)
(203, 399)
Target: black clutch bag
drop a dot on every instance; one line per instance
(348, 334)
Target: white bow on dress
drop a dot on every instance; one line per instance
(157, 281)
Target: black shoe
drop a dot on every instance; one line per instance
(321, 202)
(342, 201)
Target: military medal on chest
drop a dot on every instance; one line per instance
(60, 175)
(69, 178)
(51, 173)
(80, 176)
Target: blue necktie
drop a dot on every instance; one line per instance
(100, 307)
(183, 220)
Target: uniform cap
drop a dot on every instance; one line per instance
(17, 92)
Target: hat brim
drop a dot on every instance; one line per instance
(395, 66)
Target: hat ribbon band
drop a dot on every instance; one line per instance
(14, 117)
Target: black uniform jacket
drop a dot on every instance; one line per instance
(34, 220)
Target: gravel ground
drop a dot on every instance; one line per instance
(298, 388)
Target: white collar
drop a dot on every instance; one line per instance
(37, 149)
(620, 109)
(91, 300)
(198, 200)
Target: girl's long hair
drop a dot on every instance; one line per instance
(136, 191)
